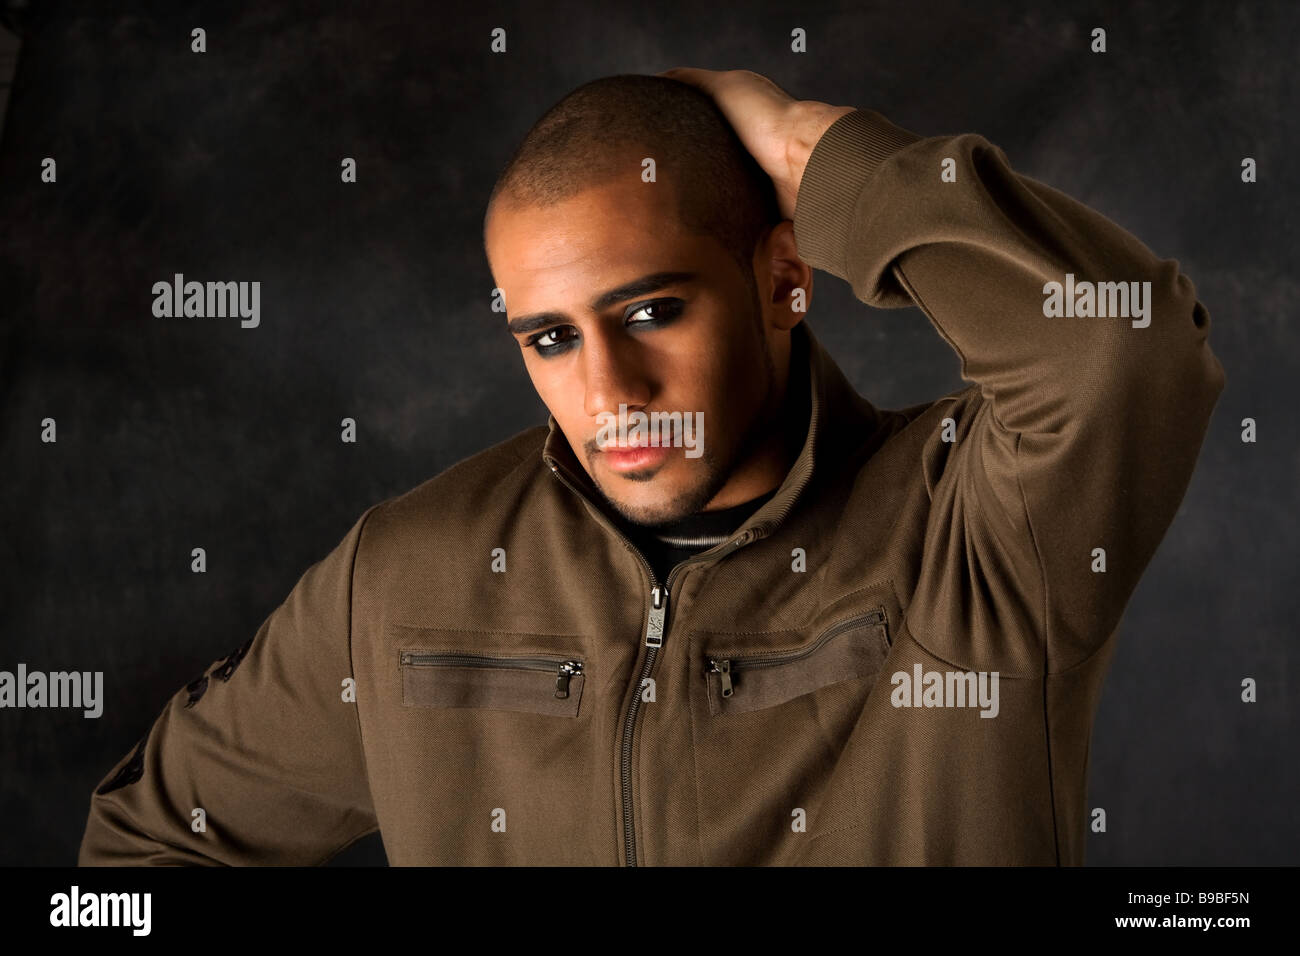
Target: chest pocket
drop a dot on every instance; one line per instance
(742, 681)
(549, 683)
(777, 722)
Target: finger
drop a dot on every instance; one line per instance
(692, 75)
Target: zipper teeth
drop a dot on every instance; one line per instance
(629, 730)
(475, 660)
(629, 720)
(629, 724)
(768, 660)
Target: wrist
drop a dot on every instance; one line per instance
(811, 123)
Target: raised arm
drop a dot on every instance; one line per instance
(263, 743)
(1095, 381)
(1095, 378)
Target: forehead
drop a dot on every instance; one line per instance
(591, 241)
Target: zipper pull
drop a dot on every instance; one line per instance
(568, 669)
(722, 667)
(654, 630)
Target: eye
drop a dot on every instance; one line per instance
(665, 310)
(552, 341)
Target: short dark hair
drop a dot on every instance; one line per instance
(599, 132)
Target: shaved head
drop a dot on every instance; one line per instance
(603, 131)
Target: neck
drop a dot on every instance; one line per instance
(769, 460)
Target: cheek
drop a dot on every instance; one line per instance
(694, 381)
(741, 379)
(544, 376)
(559, 390)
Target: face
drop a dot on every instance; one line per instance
(618, 310)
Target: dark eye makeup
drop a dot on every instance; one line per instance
(560, 338)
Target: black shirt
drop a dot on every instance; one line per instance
(665, 545)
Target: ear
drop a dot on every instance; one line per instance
(784, 280)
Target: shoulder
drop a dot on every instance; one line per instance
(482, 489)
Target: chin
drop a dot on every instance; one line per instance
(642, 510)
(649, 514)
(659, 495)
(651, 509)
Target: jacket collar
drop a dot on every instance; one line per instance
(839, 421)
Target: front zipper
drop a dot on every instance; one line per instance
(656, 627)
(565, 670)
(727, 666)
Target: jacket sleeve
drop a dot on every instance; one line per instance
(1079, 432)
(263, 742)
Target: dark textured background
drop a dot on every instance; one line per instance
(375, 305)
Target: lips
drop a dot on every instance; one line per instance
(634, 458)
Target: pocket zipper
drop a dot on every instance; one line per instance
(726, 666)
(565, 670)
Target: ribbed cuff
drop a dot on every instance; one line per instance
(844, 159)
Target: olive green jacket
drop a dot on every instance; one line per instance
(806, 692)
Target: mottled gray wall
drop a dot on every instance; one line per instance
(177, 433)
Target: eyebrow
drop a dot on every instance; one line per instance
(628, 290)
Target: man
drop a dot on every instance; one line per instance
(801, 630)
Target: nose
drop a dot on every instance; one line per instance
(614, 374)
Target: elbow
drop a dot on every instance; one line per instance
(1165, 350)
(1210, 368)
(112, 839)
(105, 843)
(1197, 370)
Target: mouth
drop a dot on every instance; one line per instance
(635, 458)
